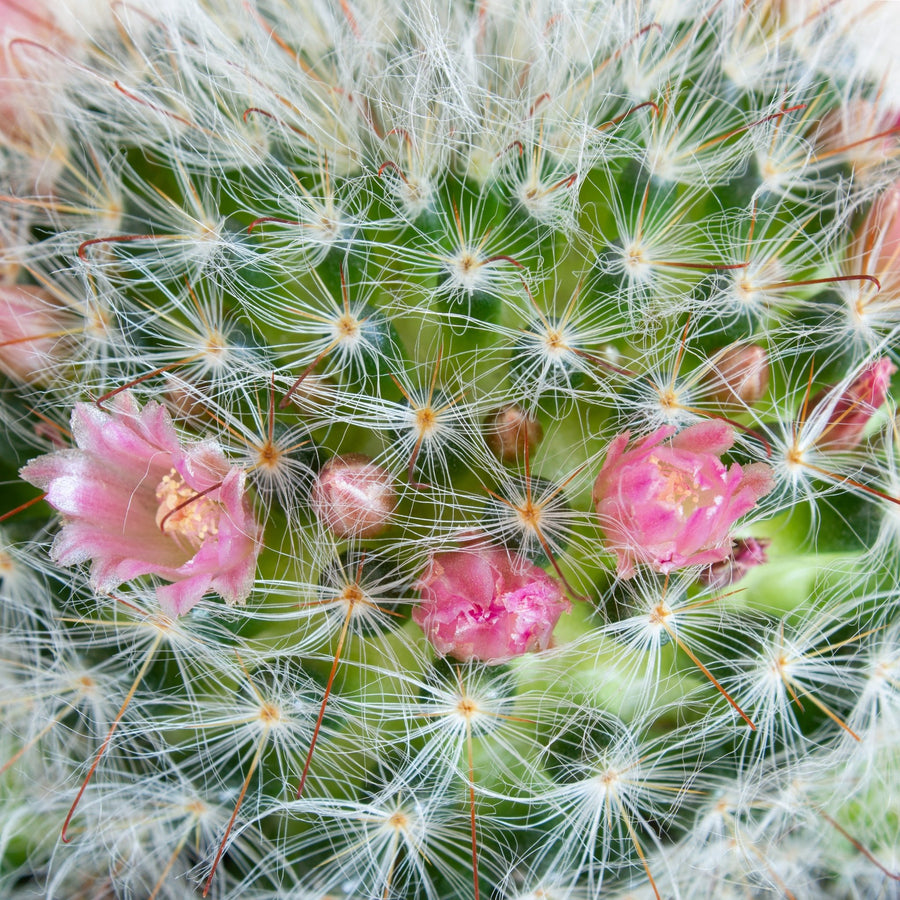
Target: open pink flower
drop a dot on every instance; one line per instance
(135, 501)
(673, 504)
(481, 604)
(855, 406)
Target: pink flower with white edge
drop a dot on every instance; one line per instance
(136, 501)
(671, 504)
(854, 407)
(482, 604)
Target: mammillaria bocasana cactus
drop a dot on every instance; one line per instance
(450, 450)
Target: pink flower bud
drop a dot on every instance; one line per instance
(136, 502)
(32, 332)
(187, 401)
(876, 246)
(746, 554)
(20, 72)
(852, 410)
(673, 504)
(482, 604)
(353, 496)
(509, 430)
(848, 133)
(31, 21)
(740, 375)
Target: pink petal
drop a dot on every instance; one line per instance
(758, 479)
(673, 505)
(711, 436)
(177, 598)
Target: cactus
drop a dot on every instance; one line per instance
(451, 450)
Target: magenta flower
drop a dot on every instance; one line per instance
(673, 504)
(135, 501)
(481, 604)
(855, 406)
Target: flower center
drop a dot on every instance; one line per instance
(680, 490)
(184, 515)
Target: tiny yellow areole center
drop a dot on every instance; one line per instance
(183, 515)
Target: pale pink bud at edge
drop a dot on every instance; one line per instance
(876, 246)
(32, 332)
(849, 132)
(855, 406)
(482, 604)
(670, 505)
(20, 73)
(134, 501)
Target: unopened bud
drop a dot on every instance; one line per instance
(313, 394)
(353, 496)
(33, 328)
(859, 132)
(746, 554)
(187, 401)
(875, 249)
(855, 406)
(509, 430)
(740, 375)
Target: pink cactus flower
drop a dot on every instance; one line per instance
(672, 504)
(855, 406)
(481, 604)
(135, 501)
